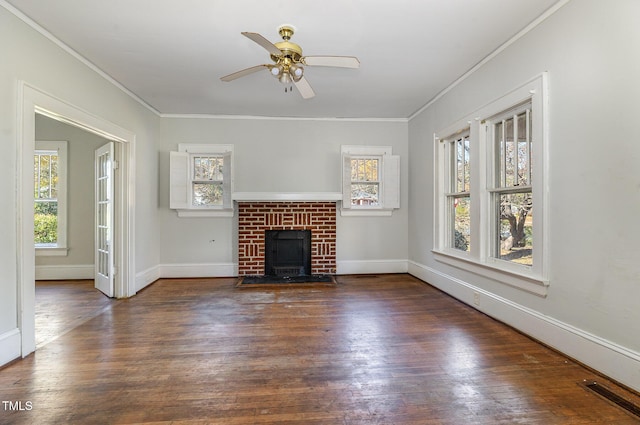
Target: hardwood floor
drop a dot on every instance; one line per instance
(63, 305)
(383, 349)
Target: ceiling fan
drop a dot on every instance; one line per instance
(288, 66)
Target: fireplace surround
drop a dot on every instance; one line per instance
(256, 218)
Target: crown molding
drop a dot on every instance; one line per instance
(540, 19)
(276, 118)
(34, 25)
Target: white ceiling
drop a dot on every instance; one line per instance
(171, 54)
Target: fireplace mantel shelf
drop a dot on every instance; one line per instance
(286, 196)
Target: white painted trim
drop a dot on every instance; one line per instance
(64, 272)
(31, 100)
(611, 359)
(365, 212)
(53, 251)
(288, 196)
(540, 19)
(371, 266)
(24, 18)
(522, 280)
(209, 212)
(147, 277)
(10, 346)
(199, 270)
(274, 118)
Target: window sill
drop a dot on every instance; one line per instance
(528, 282)
(51, 251)
(356, 212)
(205, 213)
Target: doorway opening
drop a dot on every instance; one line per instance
(35, 102)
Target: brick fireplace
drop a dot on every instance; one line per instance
(254, 218)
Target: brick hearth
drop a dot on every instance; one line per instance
(256, 217)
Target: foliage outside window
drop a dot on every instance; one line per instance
(489, 177)
(365, 183)
(370, 180)
(207, 180)
(201, 180)
(46, 197)
(458, 198)
(512, 192)
(49, 194)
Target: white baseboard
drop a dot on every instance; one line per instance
(10, 346)
(147, 277)
(65, 272)
(372, 266)
(199, 270)
(610, 359)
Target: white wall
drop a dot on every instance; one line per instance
(274, 155)
(590, 50)
(78, 263)
(29, 56)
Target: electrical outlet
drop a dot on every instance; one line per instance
(476, 299)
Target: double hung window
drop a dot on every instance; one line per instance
(201, 180)
(370, 180)
(50, 201)
(489, 176)
(510, 186)
(457, 193)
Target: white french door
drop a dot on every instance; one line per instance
(104, 219)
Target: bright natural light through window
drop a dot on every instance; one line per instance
(201, 180)
(490, 172)
(49, 194)
(370, 180)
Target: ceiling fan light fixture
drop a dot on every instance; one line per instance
(289, 63)
(285, 78)
(276, 71)
(296, 72)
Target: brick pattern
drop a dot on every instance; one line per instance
(256, 217)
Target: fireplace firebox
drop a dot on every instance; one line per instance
(287, 252)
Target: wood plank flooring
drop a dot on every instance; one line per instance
(385, 349)
(63, 305)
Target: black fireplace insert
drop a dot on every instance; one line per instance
(287, 253)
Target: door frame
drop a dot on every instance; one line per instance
(31, 101)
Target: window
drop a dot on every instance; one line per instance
(457, 194)
(50, 200)
(510, 188)
(371, 180)
(201, 180)
(489, 176)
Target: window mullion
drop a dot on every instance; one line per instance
(50, 177)
(516, 148)
(528, 145)
(503, 153)
(39, 175)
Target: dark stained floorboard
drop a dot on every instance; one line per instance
(385, 349)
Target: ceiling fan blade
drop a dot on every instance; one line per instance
(271, 48)
(243, 72)
(336, 61)
(304, 88)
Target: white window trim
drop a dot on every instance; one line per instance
(533, 279)
(60, 248)
(185, 207)
(389, 180)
